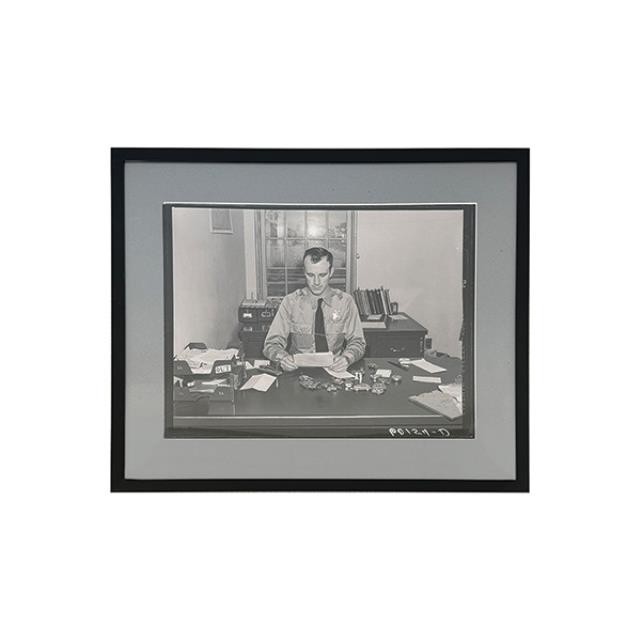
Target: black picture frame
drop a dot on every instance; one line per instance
(121, 156)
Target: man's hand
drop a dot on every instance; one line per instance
(340, 364)
(288, 363)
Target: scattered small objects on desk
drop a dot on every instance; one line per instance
(307, 382)
(378, 388)
(396, 377)
(362, 386)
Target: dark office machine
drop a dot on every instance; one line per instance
(255, 318)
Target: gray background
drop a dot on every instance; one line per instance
(491, 455)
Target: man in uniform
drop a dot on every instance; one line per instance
(317, 318)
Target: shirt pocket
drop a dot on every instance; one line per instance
(301, 335)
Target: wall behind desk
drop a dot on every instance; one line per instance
(418, 256)
(208, 279)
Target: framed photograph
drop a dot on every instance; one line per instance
(220, 220)
(320, 320)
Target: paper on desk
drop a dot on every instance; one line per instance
(429, 367)
(260, 382)
(324, 359)
(440, 402)
(431, 379)
(338, 374)
(384, 373)
(454, 390)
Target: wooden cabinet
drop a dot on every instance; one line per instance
(403, 338)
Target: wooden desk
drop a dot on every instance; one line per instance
(288, 403)
(403, 338)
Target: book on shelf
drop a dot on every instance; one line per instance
(374, 306)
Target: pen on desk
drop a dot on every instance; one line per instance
(397, 364)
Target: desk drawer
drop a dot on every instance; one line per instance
(394, 345)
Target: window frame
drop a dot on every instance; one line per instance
(351, 281)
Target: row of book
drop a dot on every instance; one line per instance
(373, 301)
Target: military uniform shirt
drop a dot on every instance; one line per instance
(295, 319)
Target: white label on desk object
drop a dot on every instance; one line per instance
(429, 367)
(339, 374)
(261, 382)
(324, 359)
(261, 363)
(384, 373)
(430, 379)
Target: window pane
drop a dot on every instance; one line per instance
(295, 224)
(275, 253)
(275, 275)
(274, 290)
(316, 224)
(295, 279)
(339, 279)
(274, 224)
(339, 250)
(295, 251)
(338, 224)
(316, 243)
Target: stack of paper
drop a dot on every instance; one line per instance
(454, 390)
(438, 401)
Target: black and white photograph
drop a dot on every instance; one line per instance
(315, 321)
(310, 304)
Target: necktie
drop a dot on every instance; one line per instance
(320, 335)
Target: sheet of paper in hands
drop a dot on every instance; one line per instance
(313, 359)
(429, 367)
(259, 383)
(339, 374)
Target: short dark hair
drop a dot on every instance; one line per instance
(317, 253)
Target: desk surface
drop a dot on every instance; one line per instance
(287, 402)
